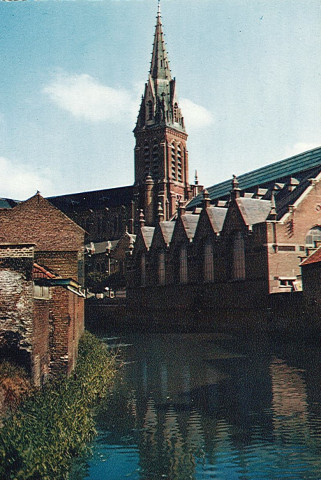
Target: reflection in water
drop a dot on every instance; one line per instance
(208, 407)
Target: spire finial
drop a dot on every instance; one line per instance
(158, 9)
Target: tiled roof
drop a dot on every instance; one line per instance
(217, 216)
(42, 272)
(147, 234)
(111, 197)
(253, 210)
(295, 171)
(190, 222)
(167, 229)
(315, 257)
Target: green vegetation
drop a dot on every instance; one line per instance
(54, 425)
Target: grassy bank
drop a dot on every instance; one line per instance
(54, 425)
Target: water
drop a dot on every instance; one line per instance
(205, 406)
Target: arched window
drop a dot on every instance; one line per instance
(313, 236)
(155, 160)
(208, 266)
(179, 163)
(238, 257)
(173, 150)
(143, 270)
(161, 268)
(183, 265)
(147, 159)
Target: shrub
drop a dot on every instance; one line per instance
(55, 424)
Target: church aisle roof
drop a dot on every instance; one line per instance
(297, 168)
(110, 197)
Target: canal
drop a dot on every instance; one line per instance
(209, 406)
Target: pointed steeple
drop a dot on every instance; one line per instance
(159, 104)
(159, 69)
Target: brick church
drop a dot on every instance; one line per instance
(161, 163)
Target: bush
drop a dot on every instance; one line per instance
(55, 425)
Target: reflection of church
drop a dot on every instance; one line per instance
(242, 239)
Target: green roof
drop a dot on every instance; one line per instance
(274, 172)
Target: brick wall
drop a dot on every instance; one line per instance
(16, 303)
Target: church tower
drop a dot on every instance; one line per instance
(161, 157)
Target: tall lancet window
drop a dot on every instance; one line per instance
(183, 277)
(161, 267)
(173, 151)
(143, 270)
(155, 160)
(179, 163)
(208, 266)
(238, 256)
(147, 158)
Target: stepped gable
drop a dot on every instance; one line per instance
(289, 177)
(111, 197)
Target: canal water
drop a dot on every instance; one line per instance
(206, 406)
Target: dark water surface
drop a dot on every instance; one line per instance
(206, 406)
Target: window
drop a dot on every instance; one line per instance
(143, 270)
(146, 159)
(208, 267)
(40, 291)
(173, 162)
(161, 268)
(155, 160)
(238, 257)
(175, 112)
(183, 265)
(313, 236)
(179, 163)
(150, 110)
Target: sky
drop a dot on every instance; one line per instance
(248, 79)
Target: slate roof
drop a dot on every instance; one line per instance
(111, 197)
(315, 257)
(290, 176)
(167, 229)
(253, 210)
(190, 221)
(8, 203)
(217, 216)
(147, 234)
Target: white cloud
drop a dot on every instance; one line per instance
(300, 147)
(86, 98)
(195, 115)
(18, 182)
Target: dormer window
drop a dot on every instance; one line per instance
(150, 110)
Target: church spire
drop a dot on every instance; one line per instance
(159, 69)
(159, 103)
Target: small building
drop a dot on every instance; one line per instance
(41, 296)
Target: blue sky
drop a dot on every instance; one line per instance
(248, 79)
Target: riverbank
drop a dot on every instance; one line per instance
(54, 425)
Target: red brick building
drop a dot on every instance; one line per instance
(239, 245)
(42, 304)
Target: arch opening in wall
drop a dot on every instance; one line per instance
(313, 237)
(238, 256)
(208, 262)
(173, 161)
